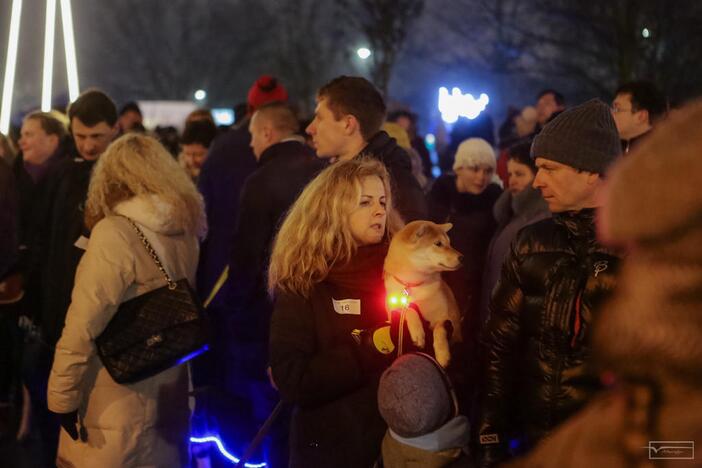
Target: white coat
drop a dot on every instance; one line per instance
(141, 424)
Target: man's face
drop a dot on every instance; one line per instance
(195, 155)
(329, 135)
(260, 135)
(129, 119)
(630, 123)
(562, 186)
(545, 107)
(36, 145)
(91, 142)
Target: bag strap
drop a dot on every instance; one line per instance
(171, 284)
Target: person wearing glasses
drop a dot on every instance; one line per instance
(637, 106)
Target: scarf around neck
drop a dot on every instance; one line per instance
(362, 278)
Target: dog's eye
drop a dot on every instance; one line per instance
(438, 244)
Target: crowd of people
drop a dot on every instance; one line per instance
(578, 231)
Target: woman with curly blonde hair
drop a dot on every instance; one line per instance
(145, 423)
(326, 275)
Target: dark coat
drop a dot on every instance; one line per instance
(8, 220)
(473, 226)
(62, 210)
(408, 198)
(31, 195)
(229, 162)
(537, 339)
(512, 212)
(336, 422)
(283, 172)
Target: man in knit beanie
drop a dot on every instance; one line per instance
(536, 341)
(648, 337)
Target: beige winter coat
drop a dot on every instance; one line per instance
(142, 424)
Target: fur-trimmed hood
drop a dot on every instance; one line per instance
(152, 212)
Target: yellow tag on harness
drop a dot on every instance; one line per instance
(382, 340)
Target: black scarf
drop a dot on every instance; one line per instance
(362, 278)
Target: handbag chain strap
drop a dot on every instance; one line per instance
(171, 284)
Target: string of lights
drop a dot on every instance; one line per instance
(223, 450)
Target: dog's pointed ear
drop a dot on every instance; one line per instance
(446, 227)
(419, 232)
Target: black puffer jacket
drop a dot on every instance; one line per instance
(536, 342)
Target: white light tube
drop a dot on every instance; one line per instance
(70, 46)
(48, 55)
(10, 66)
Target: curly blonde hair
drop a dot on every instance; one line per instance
(316, 233)
(134, 165)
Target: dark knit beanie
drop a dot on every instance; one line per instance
(584, 137)
(266, 89)
(415, 396)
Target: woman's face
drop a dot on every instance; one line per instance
(475, 179)
(520, 176)
(367, 220)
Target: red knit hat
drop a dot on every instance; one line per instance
(266, 89)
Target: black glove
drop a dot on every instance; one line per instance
(69, 423)
(375, 348)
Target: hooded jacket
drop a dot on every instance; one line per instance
(408, 197)
(140, 424)
(537, 340)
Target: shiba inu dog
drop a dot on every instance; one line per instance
(416, 257)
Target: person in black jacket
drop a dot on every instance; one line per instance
(347, 121)
(285, 166)
(61, 235)
(60, 238)
(553, 281)
(326, 274)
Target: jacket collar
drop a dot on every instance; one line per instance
(578, 223)
(272, 151)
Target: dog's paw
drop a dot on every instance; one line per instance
(416, 330)
(443, 358)
(441, 345)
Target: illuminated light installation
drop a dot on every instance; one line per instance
(70, 46)
(223, 450)
(49, 33)
(47, 78)
(455, 105)
(10, 66)
(430, 140)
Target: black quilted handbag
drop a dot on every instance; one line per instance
(155, 331)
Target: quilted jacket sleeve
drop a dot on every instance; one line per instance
(500, 349)
(105, 272)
